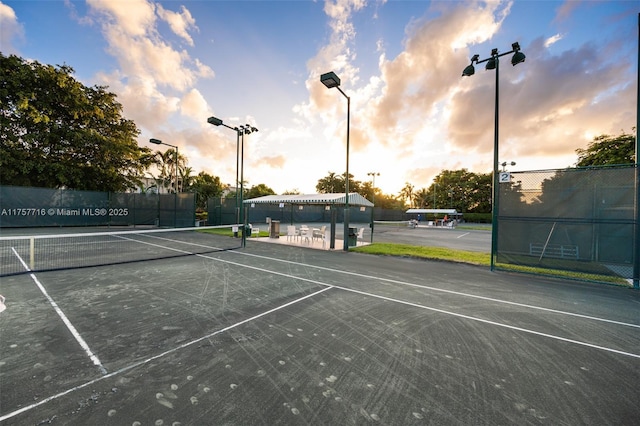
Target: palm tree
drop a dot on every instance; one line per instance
(166, 162)
(329, 184)
(406, 193)
(421, 196)
(186, 178)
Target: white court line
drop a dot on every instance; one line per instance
(160, 355)
(64, 318)
(442, 290)
(511, 327)
(421, 286)
(328, 286)
(525, 330)
(460, 236)
(455, 314)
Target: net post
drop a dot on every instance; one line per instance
(32, 253)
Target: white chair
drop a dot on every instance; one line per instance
(360, 235)
(319, 233)
(326, 237)
(306, 234)
(292, 232)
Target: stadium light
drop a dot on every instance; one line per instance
(331, 80)
(217, 122)
(504, 165)
(493, 62)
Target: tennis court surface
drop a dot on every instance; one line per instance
(202, 332)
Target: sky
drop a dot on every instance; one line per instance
(173, 64)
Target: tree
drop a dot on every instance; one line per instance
(57, 133)
(166, 163)
(333, 184)
(206, 186)
(294, 191)
(258, 191)
(608, 150)
(186, 179)
(406, 194)
(461, 190)
(386, 201)
(477, 194)
(421, 198)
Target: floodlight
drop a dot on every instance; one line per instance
(330, 80)
(215, 121)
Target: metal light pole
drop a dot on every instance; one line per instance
(636, 254)
(493, 62)
(373, 198)
(245, 130)
(175, 195)
(331, 80)
(217, 122)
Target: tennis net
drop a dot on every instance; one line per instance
(31, 253)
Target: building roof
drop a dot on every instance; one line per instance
(355, 199)
(434, 211)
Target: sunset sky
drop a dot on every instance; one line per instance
(172, 64)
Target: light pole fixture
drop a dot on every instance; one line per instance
(493, 62)
(373, 198)
(331, 80)
(504, 165)
(159, 142)
(240, 132)
(217, 122)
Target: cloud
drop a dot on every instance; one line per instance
(10, 30)
(566, 9)
(275, 161)
(130, 29)
(423, 74)
(553, 39)
(399, 107)
(418, 104)
(147, 106)
(179, 22)
(155, 81)
(133, 18)
(547, 105)
(193, 104)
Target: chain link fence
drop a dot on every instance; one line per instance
(35, 207)
(579, 219)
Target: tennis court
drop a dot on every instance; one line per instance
(185, 328)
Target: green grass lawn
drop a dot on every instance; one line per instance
(439, 253)
(476, 258)
(461, 256)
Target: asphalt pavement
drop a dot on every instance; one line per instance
(274, 334)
